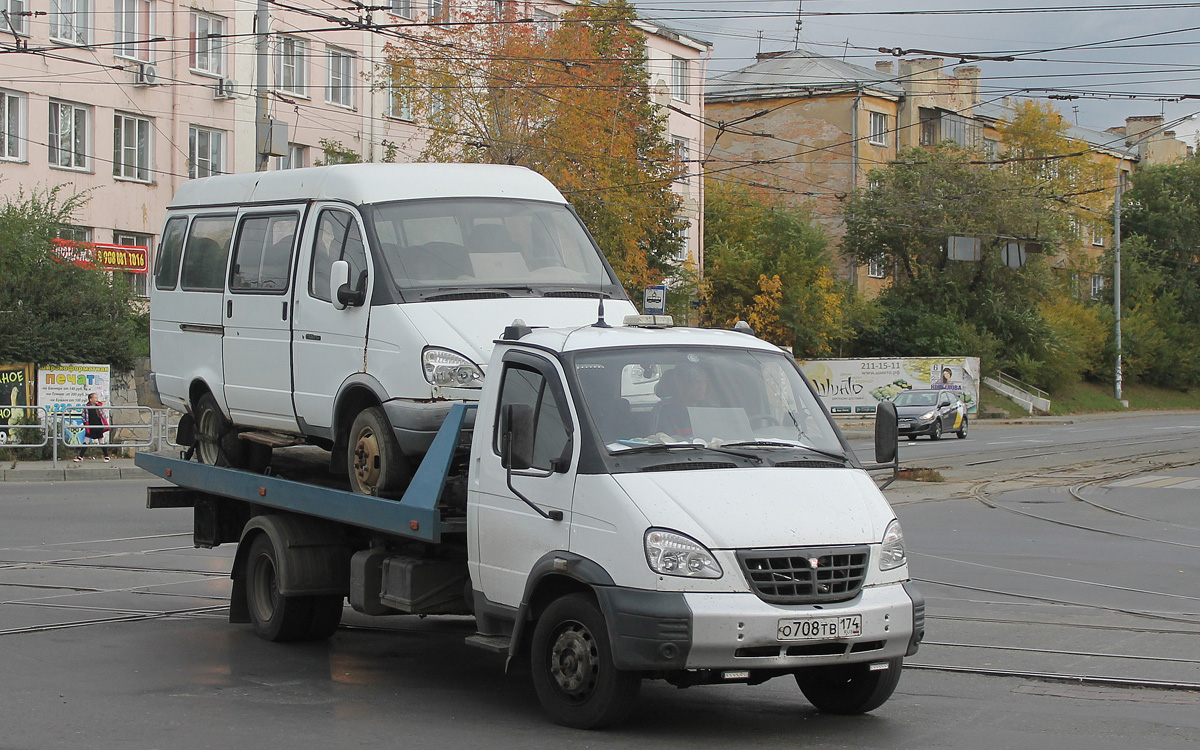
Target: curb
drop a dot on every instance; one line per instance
(74, 475)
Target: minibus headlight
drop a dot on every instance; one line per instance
(673, 554)
(891, 553)
(447, 368)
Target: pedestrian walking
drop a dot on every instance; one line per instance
(96, 426)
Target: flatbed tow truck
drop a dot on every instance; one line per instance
(605, 523)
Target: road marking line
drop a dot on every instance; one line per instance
(1194, 484)
(1165, 482)
(1134, 481)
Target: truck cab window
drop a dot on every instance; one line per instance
(337, 238)
(551, 438)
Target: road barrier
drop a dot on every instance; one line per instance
(129, 427)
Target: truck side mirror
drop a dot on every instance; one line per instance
(517, 436)
(887, 433)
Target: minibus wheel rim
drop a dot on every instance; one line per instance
(366, 459)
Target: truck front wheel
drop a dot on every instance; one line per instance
(282, 618)
(573, 669)
(849, 688)
(373, 458)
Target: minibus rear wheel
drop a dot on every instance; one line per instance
(217, 441)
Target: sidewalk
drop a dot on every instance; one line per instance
(68, 470)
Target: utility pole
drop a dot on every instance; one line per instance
(1117, 279)
(262, 21)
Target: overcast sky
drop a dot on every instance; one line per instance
(1117, 48)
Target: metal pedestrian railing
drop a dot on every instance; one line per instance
(129, 427)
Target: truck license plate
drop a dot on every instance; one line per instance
(820, 628)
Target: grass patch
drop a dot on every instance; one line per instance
(921, 475)
(993, 405)
(1091, 398)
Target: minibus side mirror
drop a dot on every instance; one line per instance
(517, 436)
(339, 285)
(339, 276)
(887, 435)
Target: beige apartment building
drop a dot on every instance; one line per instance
(126, 99)
(813, 127)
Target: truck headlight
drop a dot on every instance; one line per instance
(673, 554)
(444, 367)
(891, 552)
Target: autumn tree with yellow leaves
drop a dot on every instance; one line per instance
(568, 98)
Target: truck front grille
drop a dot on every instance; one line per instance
(805, 575)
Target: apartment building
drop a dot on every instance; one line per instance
(813, 127)
(126, 99)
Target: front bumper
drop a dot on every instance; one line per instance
(671, 631)
(915, 427)
(415, 423)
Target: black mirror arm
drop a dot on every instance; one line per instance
(553, 515)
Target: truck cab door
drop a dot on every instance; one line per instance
(506, 535)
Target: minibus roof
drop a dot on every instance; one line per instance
(368, 183)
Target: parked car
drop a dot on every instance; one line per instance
(931, 412)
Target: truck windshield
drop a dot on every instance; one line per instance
(708, 396)
(436, 245)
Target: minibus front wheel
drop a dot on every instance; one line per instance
(373, 457)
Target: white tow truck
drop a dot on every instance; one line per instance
(626, 503)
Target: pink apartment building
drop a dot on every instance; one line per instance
(126, 99)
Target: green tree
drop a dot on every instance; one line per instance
(1161, 274)
(767, 263)
(54, 311)
(571, 102)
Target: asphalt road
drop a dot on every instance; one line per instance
(1062, 580)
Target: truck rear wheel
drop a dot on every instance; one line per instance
(373, 456)
(280, 618)
(573, 671)
(217, 442)
(849, 688)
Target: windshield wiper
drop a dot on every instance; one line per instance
(694, 446)
(799, 446)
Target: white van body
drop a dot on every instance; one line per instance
(442, 257)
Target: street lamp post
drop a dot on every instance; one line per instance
(1117, 278)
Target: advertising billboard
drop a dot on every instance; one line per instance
(64, 389)
(856, 386)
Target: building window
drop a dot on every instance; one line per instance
(399, 103)
(930, 134)
(339, 89)
(679, 79)
(297, 158)
(136, 281)
(131, 148)
(876, 268)
(545, 23)
(206, 152)
(1098, 234)
(439, 10)
(683, 152)
(68, 135)
(16, 16)
(291, 66)
(1097, 284)
(685, 235)
(879, 129)
(206, 46)
(12, 126)
(133, 29)
(70, 21)
(402, 8)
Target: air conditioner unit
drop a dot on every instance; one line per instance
(147, 75)
(226, 88)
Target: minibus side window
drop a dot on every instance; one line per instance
(263, 254)
(337, 238)
(205, 256)
(166, 266)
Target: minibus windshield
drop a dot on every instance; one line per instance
(437, 245)
(706, 396)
